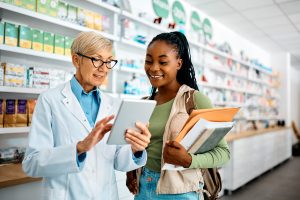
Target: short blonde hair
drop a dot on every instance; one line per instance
(89, 43)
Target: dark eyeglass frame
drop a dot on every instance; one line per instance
(103, 62)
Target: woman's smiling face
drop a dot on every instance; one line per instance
(162, 64)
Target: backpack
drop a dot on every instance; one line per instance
(211, 176)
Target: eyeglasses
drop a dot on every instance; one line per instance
(98, 62)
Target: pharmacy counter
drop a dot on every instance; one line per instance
(12, 174)
(255, 152)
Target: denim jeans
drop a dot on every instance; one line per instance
(147, 189)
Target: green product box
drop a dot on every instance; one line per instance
(11, 34)
(59, 44)
(62, 10)
(48, 42)
(68, 44)
(1, 32)
(53, 8)
(72, 13)
(8, 1)
(37, 39)
(42, 6)
(25, 37)
(28, 4)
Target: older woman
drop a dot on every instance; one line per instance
(67, 141)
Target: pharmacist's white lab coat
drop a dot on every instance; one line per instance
(58, 124)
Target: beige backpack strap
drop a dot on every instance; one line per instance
(189, 101)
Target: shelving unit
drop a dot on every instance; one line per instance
(14, 130)
(22, 15)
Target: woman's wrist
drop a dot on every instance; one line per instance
(79, 148)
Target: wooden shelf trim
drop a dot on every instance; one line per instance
(236, 136)
(12, 174)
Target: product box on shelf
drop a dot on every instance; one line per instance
(72, 13)
(25, 37)
(28, 4)
(68, 44)
(29, 77)
(48, 42)
(97, 22)
(53, 9)
(41, 78)
(7, 1)
(62, 10)
(81, 18)
(10, 115)
(30, 107)
(21, 113)
(11, 34)
(59, 44)
(1, 32)
(89, 19)
(37, 39)
(14, 75)
(42, 6)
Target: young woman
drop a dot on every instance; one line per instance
(67, 141)
(170, 70)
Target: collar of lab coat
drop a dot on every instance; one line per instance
(72, 104)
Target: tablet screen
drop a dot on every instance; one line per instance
(130, 112)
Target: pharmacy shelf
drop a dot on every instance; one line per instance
(105, 6)
(131, 70)
(234, 104)
(225, 55)
(7, 89)
(133, 44)
(49, 19)
(14, 130)
(30, 52)
(219, 69)
(143, 21)
(205, 84)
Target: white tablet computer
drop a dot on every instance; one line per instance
(130, 112)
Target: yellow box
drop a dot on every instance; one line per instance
(25, 37)
(59, 44)
(97, 21)
(11, 34)
(37, 39)
(48, 42)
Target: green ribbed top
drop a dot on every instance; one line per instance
(217, 157)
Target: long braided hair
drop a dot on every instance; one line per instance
(186, 74)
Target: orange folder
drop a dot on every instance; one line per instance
(214, 115)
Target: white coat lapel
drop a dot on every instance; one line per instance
(105, 107)
(74, 107)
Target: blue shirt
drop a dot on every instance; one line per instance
(89, 102)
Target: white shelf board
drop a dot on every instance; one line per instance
(13, 130)
(22, 90)
(234, 104)
(52, 20)
(225, 55)
(143, 21)
(131, 70)
(204, 84)
(134, 44)
(105, 5)
(31, 52)
(209, 66)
